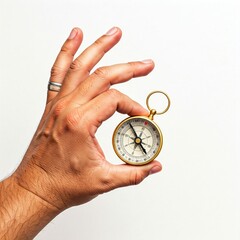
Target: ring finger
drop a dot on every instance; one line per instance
(102, 79)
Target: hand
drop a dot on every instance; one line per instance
(64, 164)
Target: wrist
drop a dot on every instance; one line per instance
(23, 214)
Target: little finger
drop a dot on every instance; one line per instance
(63, 62)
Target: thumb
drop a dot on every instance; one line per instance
(126, 175)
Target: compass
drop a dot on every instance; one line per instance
(138, 140)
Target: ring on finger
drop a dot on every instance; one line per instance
(54, 86)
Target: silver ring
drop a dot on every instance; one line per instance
(54, 86)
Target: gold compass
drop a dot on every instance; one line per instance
(138, 140)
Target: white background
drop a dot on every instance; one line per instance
(196, 48)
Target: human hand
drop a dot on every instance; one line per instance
(64, 164)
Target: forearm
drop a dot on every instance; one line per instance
(22, 214)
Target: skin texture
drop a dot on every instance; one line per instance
(64, 165)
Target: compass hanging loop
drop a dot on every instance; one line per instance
(152, 110)
(152, 113)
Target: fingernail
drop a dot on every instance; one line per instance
(111, 31)
(147, 61)
(155, 169)
(73, 34)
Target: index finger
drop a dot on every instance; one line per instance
(106, 104)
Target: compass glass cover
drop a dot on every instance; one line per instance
(137, 140)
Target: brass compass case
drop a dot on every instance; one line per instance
(137, 140)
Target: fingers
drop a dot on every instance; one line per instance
(102, 79)
(71, 73)
(64, 59)
(82, 66)
(100, 109)
(105, 105)
(126, 175)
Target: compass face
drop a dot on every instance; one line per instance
(137, 140)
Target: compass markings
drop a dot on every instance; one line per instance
(130, 140)
(128, 144)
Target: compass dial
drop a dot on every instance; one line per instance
(137, 140)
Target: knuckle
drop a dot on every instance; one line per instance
(77, 65)
(113, 93)
(72, 119)
(100, 45)
(59, 108)
(57, 72)
(66, 50)
(98, 42)
(113, 98)
(136, 178)
(106, 183)
(101, 72)
(133, 67)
